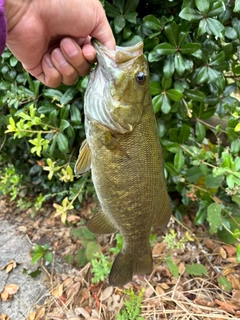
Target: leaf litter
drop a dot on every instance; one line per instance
(205, 284)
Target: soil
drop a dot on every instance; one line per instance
(211, 290)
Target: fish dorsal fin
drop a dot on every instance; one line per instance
(83, 163)
(100, 223)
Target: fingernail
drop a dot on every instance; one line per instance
(69, 47)
(48, 61)
(57, 54)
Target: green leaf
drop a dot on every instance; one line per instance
(237, 6)
(214, 217)
(190, 14)
(151, 22)
(189, 48)
(168, 66)
(179, 160)
(92, 248)
(218, 7)
(171, 32)
(196, 269)
(238, 252)
(165, 106)
(216, 27)
(131, 17)
(62, 142)
(179, 62)
(174, 94)
(37, 256)
(170, 168)
(111, 10)
(131, 6)
(161, 49)
(202, 75)
(223, 281)
(68, 95)
(184, 133)
(193, 174)
(200, 131)
(213, 182)
(194, 95)
(155, 88)
(119, 23)
(48, 257)
(157, 102)
(173, 268)
(13, 61)
(64, 124)
(203, 6)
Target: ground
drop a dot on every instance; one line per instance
(211, 290)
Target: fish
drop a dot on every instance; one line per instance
(123, 151)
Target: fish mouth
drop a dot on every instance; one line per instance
(120, 55)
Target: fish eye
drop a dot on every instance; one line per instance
(141, 77)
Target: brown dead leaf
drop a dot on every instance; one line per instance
(9, 266)
(210, 244)
(11, 289)
(236, 297)
(203, 302)
(58, 291)
(235, 283)
(181, 268)
(106, 293)
(73, 218)
(67, 282)
(231, 251)
(222, 253)
(55, 316)
(82, 312)
(4, 317)
(227, 306)
(31, 315)
(159, 290)
(22, 229)
(228, 271)
(5, 296)
(159, 248)
(40, 314)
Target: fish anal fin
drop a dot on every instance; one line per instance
(165, 212)
(100, 224)
(126, 265)
(83, 163)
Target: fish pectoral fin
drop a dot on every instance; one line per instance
(83, 163)
(126, 265)
(112, 144)
(100, 223)
(165, 212)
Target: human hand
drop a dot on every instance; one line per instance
(51, 38)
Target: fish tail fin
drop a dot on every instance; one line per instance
(126, 265)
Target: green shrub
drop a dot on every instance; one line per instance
(193, 51)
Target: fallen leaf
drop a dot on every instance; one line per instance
(228, 271)
(106, 293)
(231, 251)
(82, 312)
(236, 297)
(227, 306)
(31, 316)
(58, 291)
(40, 314)
(5, 296)
(11, 289)
(9, 266)
(234, 282)
(4, 317)
(222, 253)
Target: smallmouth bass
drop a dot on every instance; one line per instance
(123, 151)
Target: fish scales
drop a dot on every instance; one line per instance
(125, 157)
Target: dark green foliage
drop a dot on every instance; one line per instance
(193, 51)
